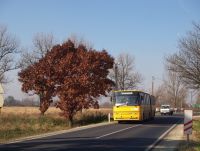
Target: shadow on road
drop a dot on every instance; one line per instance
(165, 120)
(124, 144)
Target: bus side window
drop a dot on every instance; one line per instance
(113, 99)
(145, 99)
(141, 99)
(150, 98)
(152, 101)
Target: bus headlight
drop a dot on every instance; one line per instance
(135, 109)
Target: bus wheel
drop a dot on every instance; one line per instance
(119, 122)
(149, 118)
(143, 117)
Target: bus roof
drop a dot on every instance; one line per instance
(130, 91)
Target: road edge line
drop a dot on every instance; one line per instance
(162, 136)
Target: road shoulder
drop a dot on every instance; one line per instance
(172, 140)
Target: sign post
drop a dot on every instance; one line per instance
(188, 123)
(108, 117)
(1, 97)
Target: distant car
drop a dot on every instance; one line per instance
(166, 110)
(182, 109)
(176, 110)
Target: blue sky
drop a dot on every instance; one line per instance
(148, 30)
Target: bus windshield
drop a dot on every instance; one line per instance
(128, 99)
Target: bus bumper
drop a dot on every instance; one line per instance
(134, 116)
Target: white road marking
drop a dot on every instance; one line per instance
(117, 131)
(162, 136)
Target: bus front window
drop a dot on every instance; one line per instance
(129, 100)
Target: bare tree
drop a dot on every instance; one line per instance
(8, 48)
(175, 90)
(172, 91)
(198, 98)
(160, 95)
(79, 40)
(42, 43)
(186, 62)
(125, 73)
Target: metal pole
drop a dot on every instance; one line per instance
(191, 99)
(116, 77)
(188, 139)
(152, 85)
(108, 117)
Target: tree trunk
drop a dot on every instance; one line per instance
(175, 103)
(70, 121)
(44, 105)
(42, 109)
(41, 113)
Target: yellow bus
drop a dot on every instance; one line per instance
(133, 105)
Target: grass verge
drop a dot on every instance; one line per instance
(21, 125)
(194, 144)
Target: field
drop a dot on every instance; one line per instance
(19, 122)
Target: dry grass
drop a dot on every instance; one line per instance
(51, 111)
(194, 144)
(18, 122)
(28, 110)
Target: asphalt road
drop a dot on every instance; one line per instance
(114, 137)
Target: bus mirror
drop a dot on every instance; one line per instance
(111, 99)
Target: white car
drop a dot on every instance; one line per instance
(166, 110)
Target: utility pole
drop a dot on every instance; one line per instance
(1, 97)
(191, 98)
(152, 88)
(116, 76)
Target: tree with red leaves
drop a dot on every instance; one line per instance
(76, 74)
(37, 78)
(82, 77)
